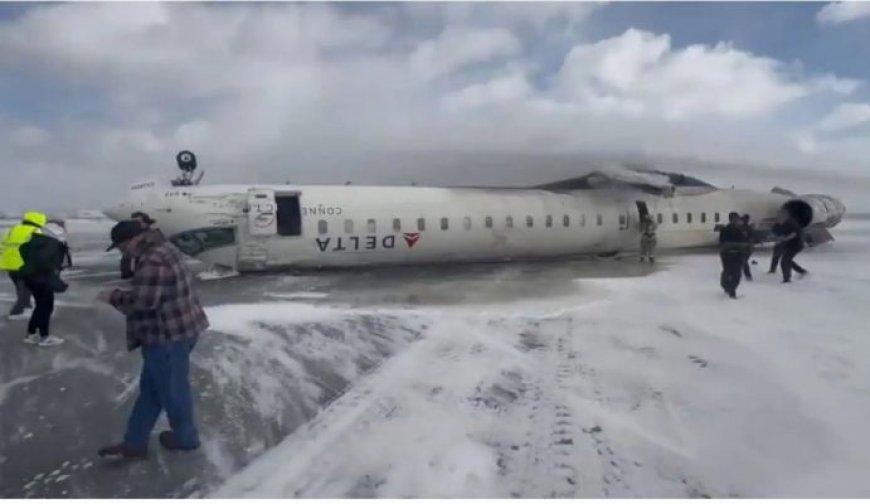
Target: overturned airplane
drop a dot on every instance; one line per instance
(269, 227)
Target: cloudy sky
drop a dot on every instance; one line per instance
(94, 96)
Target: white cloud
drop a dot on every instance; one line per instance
(518, 16)
(640, 72)
(837, 132)
(457, 47)
(806, 142)
(499, 90)
(30, 136)
(834, 84)
(842, 12)
(269, 92)
(846, 116)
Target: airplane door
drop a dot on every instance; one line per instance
(642, 210)
(262, 225)
(262, 213)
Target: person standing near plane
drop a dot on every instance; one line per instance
(164, 320)
(647, 239)
(792, 243)
(777, 231)
(43, 256)
(732, 250)
(11, 261)
(749, 230)
(127, 262)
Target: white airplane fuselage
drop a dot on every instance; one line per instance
(265, 227)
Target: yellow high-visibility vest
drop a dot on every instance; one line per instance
(10, 256)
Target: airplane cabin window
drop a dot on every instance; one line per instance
(621, 220)
(689, 218)
(196, 241)
(599, 219)
(371, 227)
(322, 226)
(289, 215)
(583, 220)
(421, 224)
(466, 222)
(549, 221)
(659, 218)
(566, 221)
(703, 217)
(397, 224)
(716, 217)
(488, 222)
(676, 219)
(530, 222)
(348, 226)
(509, 222)
(444, 223)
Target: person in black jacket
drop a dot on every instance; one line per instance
(732, 250)
(43, 259)
(777, 231)
(128, 263)
(792, 243)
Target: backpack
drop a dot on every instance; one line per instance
(43, 257)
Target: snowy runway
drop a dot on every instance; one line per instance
(577, 379)
(652, 387)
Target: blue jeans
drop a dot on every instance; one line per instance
(164, 385)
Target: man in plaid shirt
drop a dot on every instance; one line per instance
(164, 319)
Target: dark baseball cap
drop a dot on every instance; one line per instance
(124, 231)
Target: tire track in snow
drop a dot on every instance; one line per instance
(565, 453)
(548, 462)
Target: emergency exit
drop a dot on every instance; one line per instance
(271, 214)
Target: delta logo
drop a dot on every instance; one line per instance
(411, 239)
(351, 243)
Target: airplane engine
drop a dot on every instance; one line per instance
(811, 210)
(816, 213)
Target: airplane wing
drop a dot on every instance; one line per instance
(614, 178)
(784, 192)
(816, 234)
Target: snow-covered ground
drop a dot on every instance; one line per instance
(657, 386)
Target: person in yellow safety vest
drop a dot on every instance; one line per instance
(11, 261)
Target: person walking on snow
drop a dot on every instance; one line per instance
(777, 231)
(647, 239)
(128, 265)
(732, 249)
(43, 256)
(11, 262)
(792, 244)
(164, 320)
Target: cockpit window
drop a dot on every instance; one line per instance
(196, 241)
